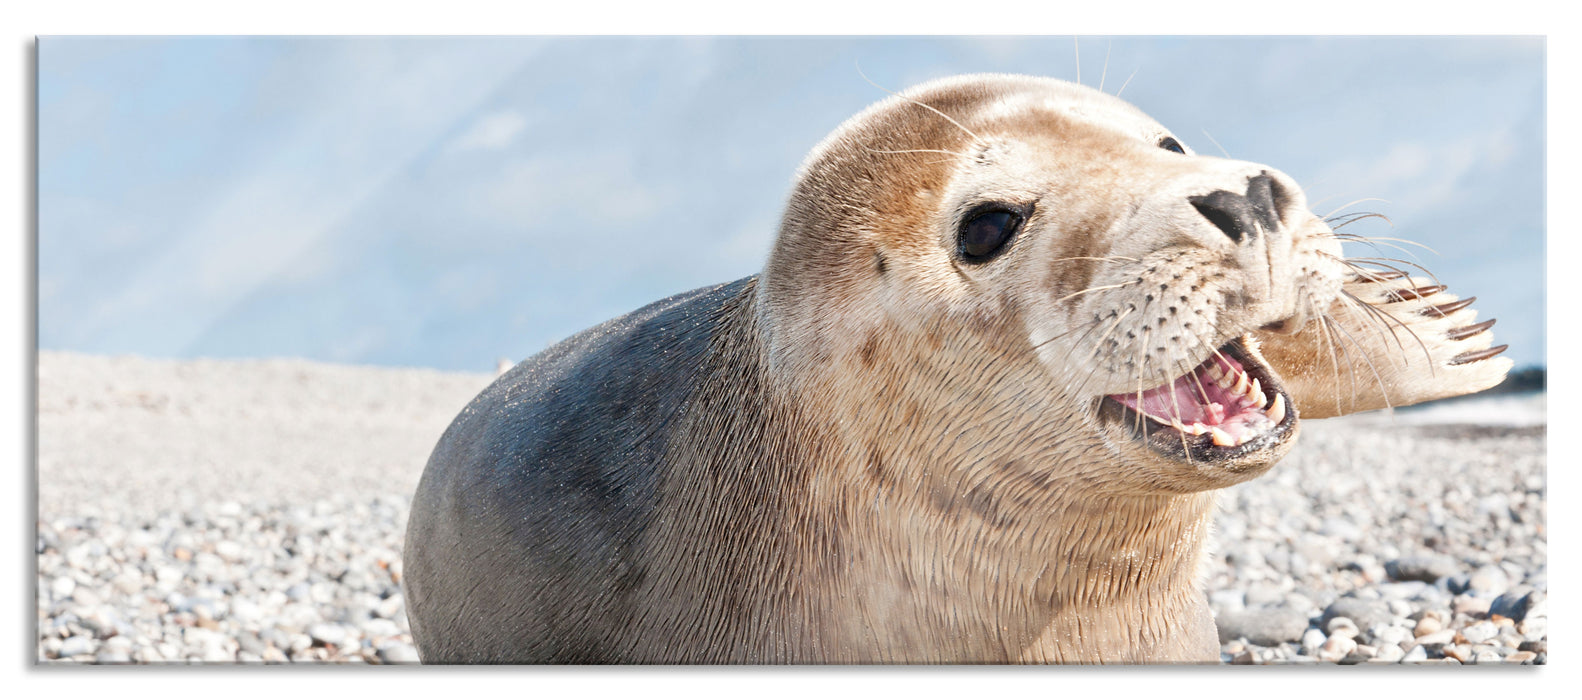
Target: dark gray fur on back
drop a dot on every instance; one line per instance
(520, 543)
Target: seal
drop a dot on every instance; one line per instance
(1011, 338)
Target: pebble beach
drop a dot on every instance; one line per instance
(252, 511)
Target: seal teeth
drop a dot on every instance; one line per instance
(1276, 410)
(1222, 438)
(1241, 383)
(1256, 394)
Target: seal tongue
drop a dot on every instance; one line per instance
(1216, 398)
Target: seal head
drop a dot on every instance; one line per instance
(1063, 229)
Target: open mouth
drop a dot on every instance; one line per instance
(1227, 406)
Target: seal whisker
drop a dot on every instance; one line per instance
(1387, 240)
(1216, 143)
(1128, 81)
(1354, 202)
(930, 108)
(1108, 258)
(1076, 49)
(1387, 318)
(1334, 363)
(1342, 220)
(1097, 348)
(1366, 312)
(1384, 389)
(1106, 70)
(915, 150)
(1385, 262)
(1358, 263)
(1089, 327)
(1352, 306)
(1097, 289)
(1374, 242)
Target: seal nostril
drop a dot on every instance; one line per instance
(1228, 211)
(1261, 196)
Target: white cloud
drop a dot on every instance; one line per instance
(319, 173)
(604, 187)
(1413, 177)
(491, 131)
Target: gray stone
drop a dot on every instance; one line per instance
(380, 628)
(1263, 594)
(77, 645)
(1399, 608)
(1389, 653)
(62, 586)
(1341, 528)
(1336, 648)
(1264, 627)
(1365, 613)
(390, 607)
(398, 653)
(1470, 605)
(1390, 634)
(1455, 585)
(1219, 600)
(1312, 639)
(1488, 581)
(1416, 654)
(1426, 568)
(1520, 602)
(327, 633)
(1342, 626)
(1480, 632)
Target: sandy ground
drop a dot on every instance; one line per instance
(119, 433)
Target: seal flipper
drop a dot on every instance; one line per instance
(1388, 340)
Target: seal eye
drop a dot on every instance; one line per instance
(985, 233)
(1170, 144)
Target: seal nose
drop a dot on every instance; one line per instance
(1242, 216)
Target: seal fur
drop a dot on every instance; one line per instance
(880, 451)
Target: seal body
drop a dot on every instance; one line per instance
(1008, 344)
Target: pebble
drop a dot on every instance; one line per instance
(204, 587)
(1521, 657)
(1264, 627)
(1480, 632)
(1389, 653)
(1391, 635)
(326, 633)
(1336, 648)
(1426, 568)
(62, 587)
(1342, 626)
(74, 646)
(1312, 639)
(1488, 581)
(1361, 613)
(1470, 605)
(1520, 602)
(1366, 544)
(398, 653)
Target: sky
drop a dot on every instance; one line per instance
(446, 202)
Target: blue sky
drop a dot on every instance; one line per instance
(444, 202)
